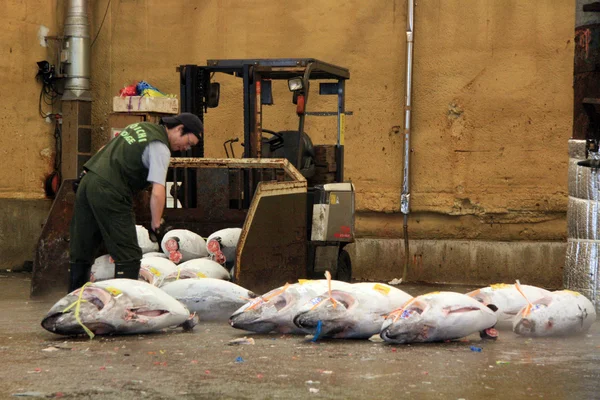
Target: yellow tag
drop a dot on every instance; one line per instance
(200, 275)
(497, 286)
(154, 271)
(333, 199)
(381, 289)
(113, 291)
(574, 293)
(303, 281)
(431, 293)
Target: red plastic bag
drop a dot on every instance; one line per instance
(128, 91)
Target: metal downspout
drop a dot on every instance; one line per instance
(76, 52)
(405, 196)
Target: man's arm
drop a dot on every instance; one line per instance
(156, 158)
(157, 204)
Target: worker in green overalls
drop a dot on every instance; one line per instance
(103, 210)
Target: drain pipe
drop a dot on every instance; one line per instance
(405, 196)
(76, 52)
(77, 98)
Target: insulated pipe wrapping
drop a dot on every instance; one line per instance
(583, 226)
(583, 220)
(581, 269)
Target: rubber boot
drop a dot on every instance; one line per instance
(79, 275)
(128, 270)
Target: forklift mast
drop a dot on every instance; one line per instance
(198, 94)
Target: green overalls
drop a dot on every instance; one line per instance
(104, 204)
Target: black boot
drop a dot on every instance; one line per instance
(79, 275)
(129, 270)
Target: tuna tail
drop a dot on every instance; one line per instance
(492, 307)
(190, 323)
(527, 309)
(490, 333)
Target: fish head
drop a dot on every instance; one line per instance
(104, 309)
(535, 319)
(408, 326)
(483, 296)
(329, 311)
(263, 313)
(62, 317)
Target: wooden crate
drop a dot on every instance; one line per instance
(165, 105)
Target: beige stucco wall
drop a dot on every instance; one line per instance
(492, 99)
(27, 141)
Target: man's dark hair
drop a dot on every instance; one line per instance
(191, 124)
(172, 125)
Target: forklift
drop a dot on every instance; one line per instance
(287, 194)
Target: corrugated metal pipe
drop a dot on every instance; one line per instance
(405, 196)
(76, 52)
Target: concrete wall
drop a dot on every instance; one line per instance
(492, 99)
(27, 140)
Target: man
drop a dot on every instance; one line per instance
(103, 210)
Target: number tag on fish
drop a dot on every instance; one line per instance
(381, 289)
(154, 271)
(113, 291)
(200, 275)
(315, 300)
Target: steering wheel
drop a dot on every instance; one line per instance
(274, 142)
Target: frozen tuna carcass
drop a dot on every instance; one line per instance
(144, 241)
(438, 316)
(275, 310)
(154, 270)
(211, 299)
(103, 269)
(182, 245)
(222, 245)
(507, 299)
(353, 312)
(561, 313)
(154, 254)
(115, 306)
(198, 268)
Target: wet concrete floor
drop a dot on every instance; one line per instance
(198, 365)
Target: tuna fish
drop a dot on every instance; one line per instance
(154, 270)
(222, 245)
(182, 245)
(103, 269)
(198, 268)
(116, 306)
(354, 312)
(438, 316)
(211, 299)
(144, 240)
(561, 313)
(155, 254)
(275, 310)
(507, 299)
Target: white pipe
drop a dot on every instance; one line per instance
(405, 196)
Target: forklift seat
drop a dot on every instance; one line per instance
(274, 148)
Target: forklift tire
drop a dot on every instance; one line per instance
(344, 267)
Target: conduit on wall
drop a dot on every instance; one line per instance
(405, 195)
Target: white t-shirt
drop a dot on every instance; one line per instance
(156, 157)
